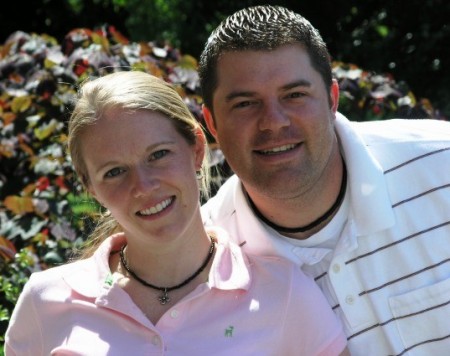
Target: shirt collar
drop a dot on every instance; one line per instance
(230, 268)
(258, 237)
(370, 204)
(92, 275)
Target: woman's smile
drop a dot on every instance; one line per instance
(158, 208)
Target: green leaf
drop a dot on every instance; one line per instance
(82, 204)
(53, 258)
(382, 30)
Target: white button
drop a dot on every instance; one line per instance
(336, 268)
(174, 313)
(101, 302)
(156, 341)
(349, 299)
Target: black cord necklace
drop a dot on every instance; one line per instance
(316, 222)
(164, 298)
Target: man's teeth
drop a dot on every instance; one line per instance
(156, 209)
(278, 149)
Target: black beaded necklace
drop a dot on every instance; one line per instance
(316, 222)
(164, 298)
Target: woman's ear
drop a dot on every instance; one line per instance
(200, 148)
(91, 191)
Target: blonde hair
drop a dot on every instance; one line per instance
(130, 91)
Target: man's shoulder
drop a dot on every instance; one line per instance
(395, 142)
(403, 130)
(221, 204)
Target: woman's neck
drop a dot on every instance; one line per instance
(167, 264)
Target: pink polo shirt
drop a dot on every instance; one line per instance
(250, 306)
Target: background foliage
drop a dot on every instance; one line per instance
(410, 39)
(44, 214)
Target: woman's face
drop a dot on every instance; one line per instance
(144, 172)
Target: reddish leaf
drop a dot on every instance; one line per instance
(117, 36)
(7, 249)
(8, 117)
(19, 205)
(43, 183)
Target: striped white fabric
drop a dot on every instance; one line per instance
(388, 277)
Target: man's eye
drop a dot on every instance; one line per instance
(158, 154)
(243, 104)
(295, 95)
(113, 172)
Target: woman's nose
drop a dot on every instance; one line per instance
(144, 182)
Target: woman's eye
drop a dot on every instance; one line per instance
(113, 172)
(158, 154)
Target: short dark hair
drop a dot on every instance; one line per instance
(263, 28)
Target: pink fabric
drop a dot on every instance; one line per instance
(250, 306)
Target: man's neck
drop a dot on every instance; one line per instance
(307, 214)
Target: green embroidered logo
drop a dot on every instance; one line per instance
(109, 280)
(229, 331)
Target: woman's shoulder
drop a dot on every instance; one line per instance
(79, 273)
(55, 275)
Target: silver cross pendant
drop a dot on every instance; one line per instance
(164, 298)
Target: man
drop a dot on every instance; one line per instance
(363, 208)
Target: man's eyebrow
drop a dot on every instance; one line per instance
(237, 94)
(297, 83)
(247, 94)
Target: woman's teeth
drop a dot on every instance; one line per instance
(156, 209)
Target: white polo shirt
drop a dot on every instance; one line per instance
(388, 275)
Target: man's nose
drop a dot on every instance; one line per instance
(273, 117)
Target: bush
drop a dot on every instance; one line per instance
(44, 213)
(372, 96)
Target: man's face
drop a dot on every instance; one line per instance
(274, 120)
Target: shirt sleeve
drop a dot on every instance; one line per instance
(24, 333)
(309, 318)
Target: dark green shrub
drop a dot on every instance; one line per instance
(44, 214)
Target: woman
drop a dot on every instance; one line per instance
(154, 281)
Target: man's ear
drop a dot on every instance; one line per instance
(209, 120)
(334, 96)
